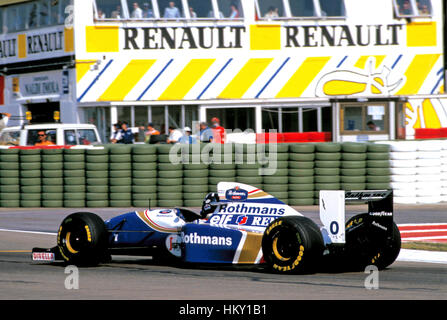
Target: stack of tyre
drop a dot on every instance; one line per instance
(195, 179)
(74, 178)
(52, 178)
(144, 176)
(248, 167)
(301, 174)
(120, 176)
(428, 171)
(444, 171)
(403, 170)
(353, 166)
(377, 170)
(222, 166)
(378, 174)
(275, 171)
(169, 179)
(97, 177)
(327, 167)
(9, 178)
(30, 178)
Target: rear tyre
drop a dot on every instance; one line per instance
(365, 247)
(82, 239)
(292, 245)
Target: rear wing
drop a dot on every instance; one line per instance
(332, 209)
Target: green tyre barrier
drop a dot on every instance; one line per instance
(327, 147)
(372, 147)
(52, 158)
(120, 189)
(31, 189)
(377, 163)
(121, 174)
(144, 196)
(353, 156)
(169, 195)
(96, 189)
(52, 188)
(170, 181)
(301, 148)
(170, 167)
(170, 189)
(74, 173)
(10, 203)
(120, 196)
(301, 194)
(275, 188)
(96, 166)
(96, 196)
(353, 186)
(97, 203)
(249, 180)
(353, 164)
(30, 165)
(30, 196)
(378, 171)
(74, 196)
(52, 203)
(377, 186)
(74, 189)
(144, 204)
(9, 165)
(353, 179)
(144, 189)
(275, 180)
(327, 179)
(144, 174)
(327, 156)
(52, 196)
(327, 164)
(170, 203)
(327, 186)
(301, 172)
(103, 174)
(120, 181)
(301, 164)
(377, 156)
(353, 172)
(52, 173)
(354, 147)
(144, 166)
(301, 187)
(301, 202)
(120, 166)
(144, 181)
(100, 158)
(120, 203)
(30, 203)
(74, 165)
(195, 181)
(301, 180)
(302, 157)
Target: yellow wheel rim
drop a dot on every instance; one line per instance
(276, 252)
(67, 242)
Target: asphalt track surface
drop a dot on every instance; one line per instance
(141, 278)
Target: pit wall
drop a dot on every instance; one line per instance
(144, 176)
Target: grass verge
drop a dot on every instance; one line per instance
(429, 246)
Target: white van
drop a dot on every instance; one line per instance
(58, 133)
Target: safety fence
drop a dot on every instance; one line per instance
(155, 175)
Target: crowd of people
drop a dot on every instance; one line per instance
(149, 134)
(170, 12)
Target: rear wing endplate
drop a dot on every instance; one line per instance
(332, 209)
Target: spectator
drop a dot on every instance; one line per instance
(372, 126)
(117, 13)
(101, 14)
(218, 131)
(4, 120)
(126, 134)
(205, 134)
(187, 138)
(151, 131)
(137, 13)
(406, 8)
(116, 135)
(147, 12)
(42, 139)
(272, 13)
(172, 11)
(192, 13)
(174, 135)
(234, 13)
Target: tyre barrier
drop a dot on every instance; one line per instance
(144, 176)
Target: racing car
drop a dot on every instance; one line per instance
(239, 225)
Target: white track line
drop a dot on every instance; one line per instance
(422, 256)
(32, 232)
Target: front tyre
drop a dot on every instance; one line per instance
(82, 239)
(292, 245)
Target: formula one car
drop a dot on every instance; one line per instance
(239, 224)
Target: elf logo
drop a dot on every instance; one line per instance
(194, 238)
(241, 220)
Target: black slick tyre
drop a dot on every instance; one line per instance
(292, 244)
(82, 239)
